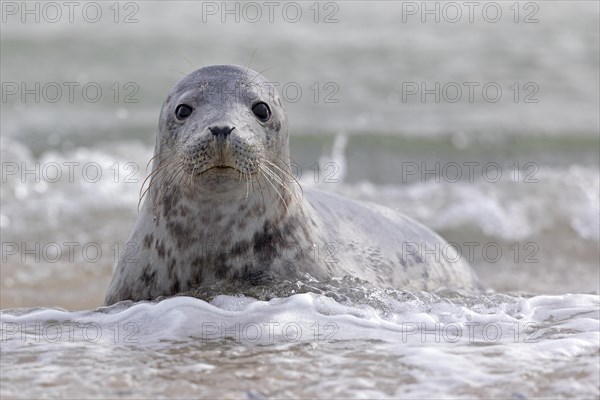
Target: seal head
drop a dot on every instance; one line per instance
(221, 122)
(221, 202)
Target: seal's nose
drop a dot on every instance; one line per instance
(221, 131)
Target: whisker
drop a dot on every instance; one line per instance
(266, 178)
(277, 179)
(170, 183)
(152, 174)
(261, 194)
(163, 187)
(188, 61)
(191, 182)
(273, 186)
(150, 160)
(176, 70)
(180, 176)
(153, 179)
(247, 182)
(159, 164)
(250, 62)
(288, 172)
(260, 73)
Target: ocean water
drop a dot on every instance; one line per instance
(512, 181)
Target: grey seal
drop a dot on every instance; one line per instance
(222, 206)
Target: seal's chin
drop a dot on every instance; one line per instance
(220, 179)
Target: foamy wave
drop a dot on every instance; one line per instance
(307, 317)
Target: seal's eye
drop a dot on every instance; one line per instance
(183, 111)
(262, 111)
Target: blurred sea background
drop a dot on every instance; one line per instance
(487, 131)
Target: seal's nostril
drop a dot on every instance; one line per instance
(221, 130)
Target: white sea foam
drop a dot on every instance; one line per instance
(439, 345)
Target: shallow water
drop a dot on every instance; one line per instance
(309, 345)
(524, 210)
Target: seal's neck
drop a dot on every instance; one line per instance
(226, 236)
(261, 205)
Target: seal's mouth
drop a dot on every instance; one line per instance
(221, 167)
(224, 170)
(218, 169)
